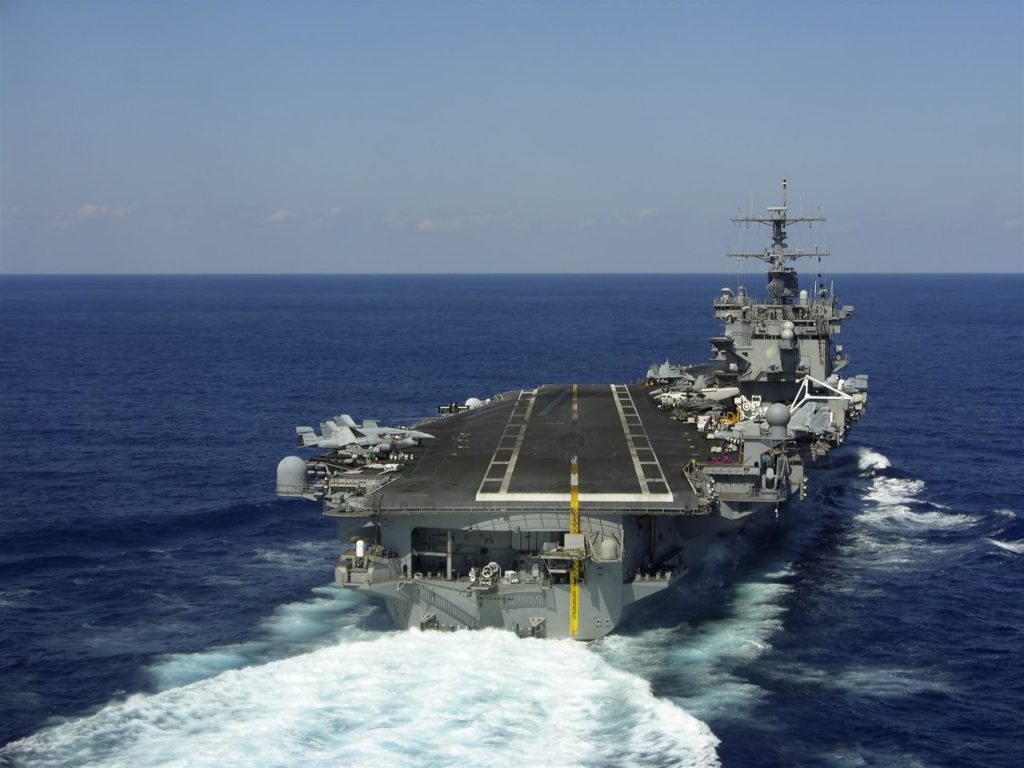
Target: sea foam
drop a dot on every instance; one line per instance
(402, 699)
(868, 459)
(334, 615)
(705, 659)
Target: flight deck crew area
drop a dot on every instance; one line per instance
(530, 557)
(477, 553)
(640, 548)
(496, 571)
(459, 554)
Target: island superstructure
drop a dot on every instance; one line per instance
(557, 511)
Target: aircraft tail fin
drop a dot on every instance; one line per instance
(345, 436)
(305, 437)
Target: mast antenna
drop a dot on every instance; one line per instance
(782, 284)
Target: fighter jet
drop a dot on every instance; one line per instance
(369, 438)
(372, 429)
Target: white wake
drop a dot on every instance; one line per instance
(403, 699)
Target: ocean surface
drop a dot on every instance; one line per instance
(160, 606)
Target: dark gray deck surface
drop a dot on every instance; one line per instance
(516, 452)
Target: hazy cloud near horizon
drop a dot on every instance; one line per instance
(310, 137)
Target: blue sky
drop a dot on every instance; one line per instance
(501, 137)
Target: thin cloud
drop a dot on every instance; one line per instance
(623, 219)
(91, 211)
(279, 217)
(101, 210)
(456, 223)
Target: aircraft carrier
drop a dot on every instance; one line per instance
(557, 511)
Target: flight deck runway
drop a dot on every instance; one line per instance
(516, 451)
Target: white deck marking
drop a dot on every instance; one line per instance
(637, 440)
(515, 429)
(565, 497)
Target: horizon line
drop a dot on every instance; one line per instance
(475, 274)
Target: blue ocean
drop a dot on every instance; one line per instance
(159, 606)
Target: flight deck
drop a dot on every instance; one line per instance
(517, 452)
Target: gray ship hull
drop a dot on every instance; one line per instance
(536, 602)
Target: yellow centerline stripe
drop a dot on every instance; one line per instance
(574, 527)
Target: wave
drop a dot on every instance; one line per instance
(100, 536)
(906, 518)
(868, 459)
(897, 502)
(866, 681)
(894, 490)
(402, 699)
(296, 555)
(1017, 547)
(17, 596)
(333, 615)
(895, 526)
(701, 658)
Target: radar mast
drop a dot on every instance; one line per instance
(783, 285)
